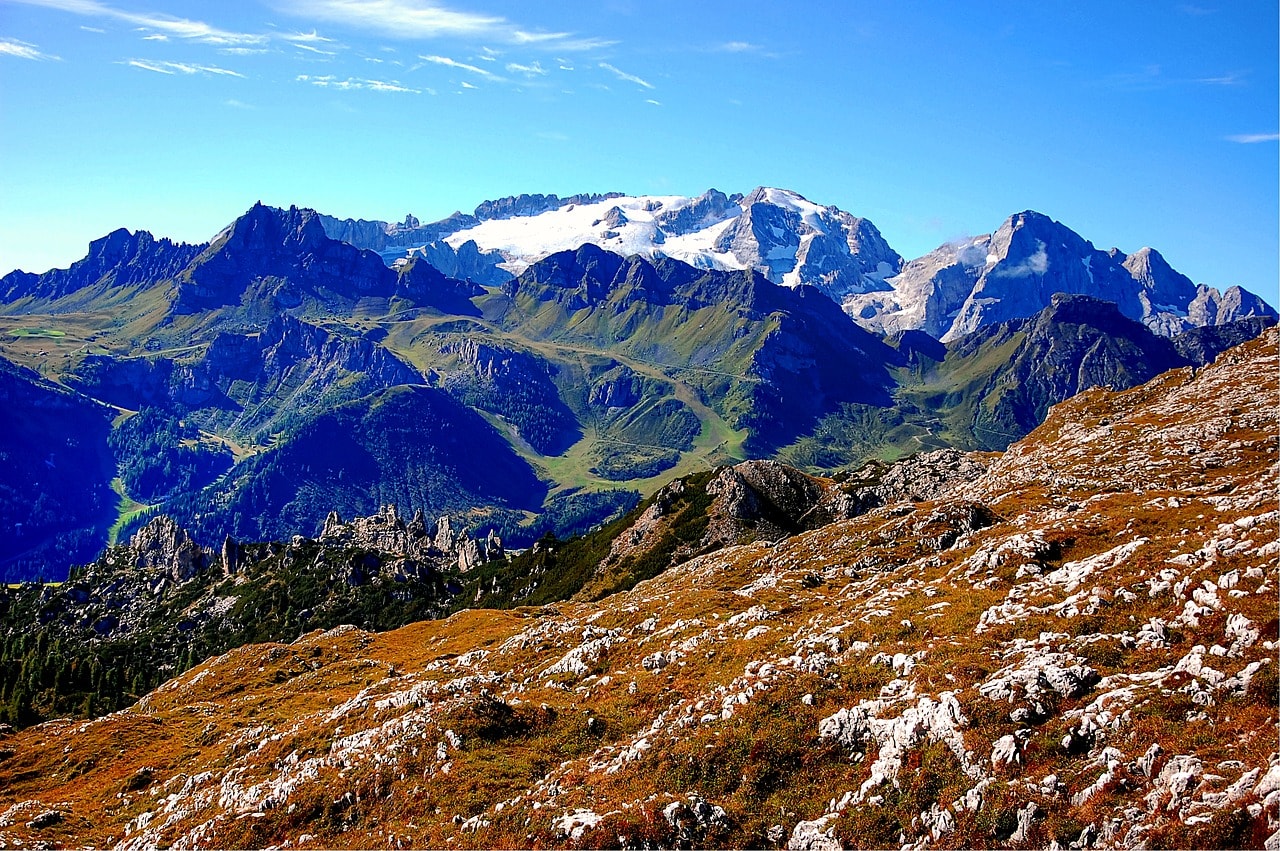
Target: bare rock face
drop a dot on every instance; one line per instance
(118, 259)
(918, 478)
(764, 497)
(165, 547)
(389, 534)
(770, 501)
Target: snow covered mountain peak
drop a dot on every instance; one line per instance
(782, 234)
(1015, 271)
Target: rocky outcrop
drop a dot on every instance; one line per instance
(924, 477)
(467, 262)
(388, 534)
(162, 546)
(769, 501)
(1201, 346)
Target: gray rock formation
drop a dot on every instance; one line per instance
(162, 546)
(390, 535)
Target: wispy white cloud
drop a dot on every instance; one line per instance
(355, 83)
(243, 51)
(1223, 80)
(462, 66)
(623, 75)
(181, 68)
(654, 102)
(560, 41)
(311, 48)
(1147, 78)
(155, 37)
(24, 50)
(533, 70)
(430, 19)
(1152, 78)
(238, 104)
(92, 29)
(183, 28)
(398, 18)
(467, 85)
(739, 47)
(1254, 138)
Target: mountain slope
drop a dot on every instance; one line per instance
(769, 359)
(1078, 647)
(55, 495)
(989, 388)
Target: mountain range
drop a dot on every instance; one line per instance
(952, 291)
(251, 385)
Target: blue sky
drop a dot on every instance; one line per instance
(1134, 123)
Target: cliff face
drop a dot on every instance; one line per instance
(1078, 646)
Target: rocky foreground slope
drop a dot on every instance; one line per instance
(1078, 648)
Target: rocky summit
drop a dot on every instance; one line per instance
(1073, 648)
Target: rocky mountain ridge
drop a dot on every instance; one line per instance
(1076, 648)
(1015, 271)
(777, 232)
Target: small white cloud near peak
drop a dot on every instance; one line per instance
(24, 50)
(623, 75)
